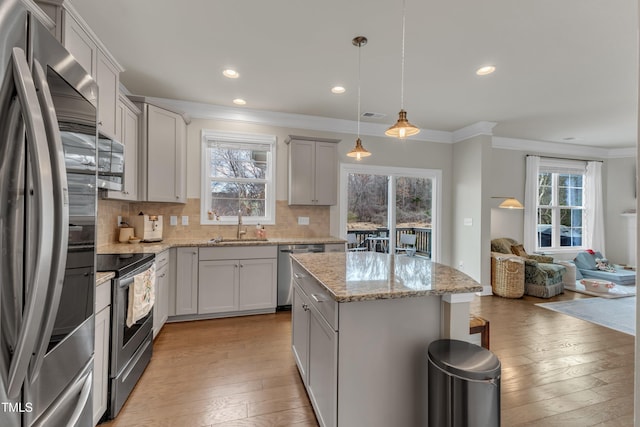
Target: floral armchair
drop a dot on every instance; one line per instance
(542, 278)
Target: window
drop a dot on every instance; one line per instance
(238, 174)
(379, 204)
(560, 205)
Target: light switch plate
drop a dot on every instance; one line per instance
(303, 220)
(119, 220)
(185, 220)
(173, 220)
(468, 221)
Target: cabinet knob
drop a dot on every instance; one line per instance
(241, 265)
(305, 307)
(100, 123)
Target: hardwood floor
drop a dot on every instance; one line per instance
(556, 371)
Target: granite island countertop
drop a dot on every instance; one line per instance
(156, 248)
(362, 276)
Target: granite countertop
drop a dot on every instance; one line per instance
(102, 277)
(156, 248)
(362, 276)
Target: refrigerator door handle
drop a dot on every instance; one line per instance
(60, 213)
(43, 190)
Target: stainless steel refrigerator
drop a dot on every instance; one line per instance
(47, 227)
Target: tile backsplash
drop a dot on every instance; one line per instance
(286, 220)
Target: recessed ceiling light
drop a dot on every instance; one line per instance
(338, 89)
(232, 74)
(487, 69)
(239, 101)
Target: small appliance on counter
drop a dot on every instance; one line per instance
(148, 227)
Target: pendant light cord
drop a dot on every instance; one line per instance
(402, 67)
(359, 62)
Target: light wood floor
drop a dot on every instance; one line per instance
(556, 371)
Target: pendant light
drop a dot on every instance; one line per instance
(402, 128)
(359, 151)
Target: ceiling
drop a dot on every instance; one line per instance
(565, 69)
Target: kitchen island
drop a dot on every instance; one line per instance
(362, 323)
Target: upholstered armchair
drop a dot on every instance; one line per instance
(542, 278)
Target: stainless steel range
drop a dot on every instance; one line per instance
(131, 347)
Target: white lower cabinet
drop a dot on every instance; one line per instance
(300, 331)
(237, 279)
(186, 281)
(161, 305)
(101, 355)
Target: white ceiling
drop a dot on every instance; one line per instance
(565, 69)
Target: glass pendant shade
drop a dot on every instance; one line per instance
(358, 151)
(511, 203)
(402, 128)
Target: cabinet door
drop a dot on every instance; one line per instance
(301, 172)
(186, 281)
(218, 286)
(164, 129)
(300, 331)
(79, 44)
(108, 79)
(101, 364)
(326, 174)
(161, 305)
(323, 369)
(130, 120)
(258, 284)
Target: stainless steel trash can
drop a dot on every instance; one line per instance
(464, 385)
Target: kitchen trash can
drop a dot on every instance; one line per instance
(464, 385)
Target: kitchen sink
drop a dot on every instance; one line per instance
(236, 240)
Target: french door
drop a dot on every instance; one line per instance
(379, 204)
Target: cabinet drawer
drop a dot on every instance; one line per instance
(162, 259)
(103, 295)
(318, 295)
(238, 252)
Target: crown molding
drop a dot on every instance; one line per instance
(479, 128)
(561, 149)
(297, 121)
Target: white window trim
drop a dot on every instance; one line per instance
(562, 166)
(270, 196)
(394, 172)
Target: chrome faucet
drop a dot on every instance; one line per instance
(240, 232)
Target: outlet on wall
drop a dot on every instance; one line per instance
(303, 220)
(173, 220)
(185, 220)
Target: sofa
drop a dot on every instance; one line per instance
(587, 264)
(542, 277)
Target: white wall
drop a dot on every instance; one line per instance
(385, 152)
(471, 215)
(619, 197)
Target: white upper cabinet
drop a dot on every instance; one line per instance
(88, 50)
(127, 132)
(163, 154)
(313, 171)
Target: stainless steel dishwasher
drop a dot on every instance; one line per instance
(285, 290)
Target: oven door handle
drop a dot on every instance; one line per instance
(43, 191)
(60, 213)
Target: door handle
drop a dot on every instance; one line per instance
(40, 158)
(60, 213)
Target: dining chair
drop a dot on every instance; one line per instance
(352, 243)
(407, 244)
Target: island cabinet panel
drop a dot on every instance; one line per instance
(300, 331)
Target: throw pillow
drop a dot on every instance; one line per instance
(603, 265)
(519, 250)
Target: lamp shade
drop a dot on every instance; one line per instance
(511, 203)
(358, 151)
(402, 128)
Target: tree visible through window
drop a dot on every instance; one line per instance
(560, 209)
(237, 177)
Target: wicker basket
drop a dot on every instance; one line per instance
(507, 276)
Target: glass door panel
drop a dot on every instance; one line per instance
(367, 209)
(413, 215)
